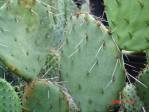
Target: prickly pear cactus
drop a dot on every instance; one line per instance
(129, 22)
(9, 100)
(25, 36)
(44, 96)
(90, 64)
(130, 102)
(143, 90)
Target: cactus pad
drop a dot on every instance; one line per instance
(44, 96)
(25, 37)
(129, 21)
(90, 64)
(9, 100)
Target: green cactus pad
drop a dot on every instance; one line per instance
(9, 100)
(129, 99)
(90, 64)
(143, 90)
(129, 22)
(44, 96)
(25, 37)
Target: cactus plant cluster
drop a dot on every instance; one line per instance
(67, 60)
